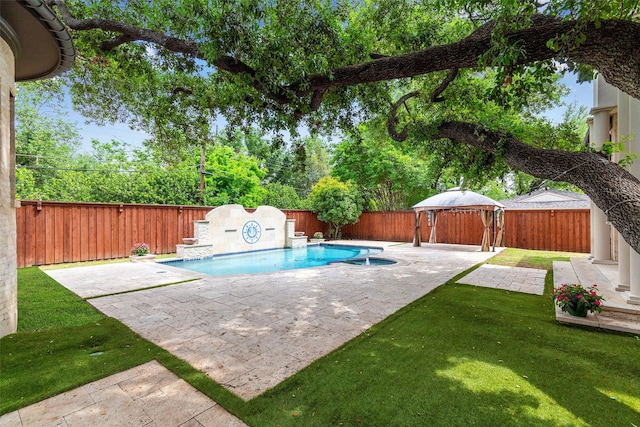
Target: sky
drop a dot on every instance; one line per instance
(582, 94)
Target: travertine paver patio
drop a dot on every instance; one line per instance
(250, 332)
(517, 279)
(147, 395)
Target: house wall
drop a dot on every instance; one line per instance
(621, 113)
(8, 272)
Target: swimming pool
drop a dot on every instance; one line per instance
(275, 259)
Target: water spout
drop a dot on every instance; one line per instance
(366, 261)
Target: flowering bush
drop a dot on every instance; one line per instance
(317, 235)
(140, 249)
(574, 298)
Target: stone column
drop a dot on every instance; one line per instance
(201, 231)
(289, 232)
(601, 231)
(623, 247)
(8, 251)
(634, 168)
(624, 265)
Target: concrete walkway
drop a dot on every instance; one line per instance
(250, 332)
(516, 279)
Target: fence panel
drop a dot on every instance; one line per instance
(394, 226)
(57, 232)
(307, 221)
(552, 230)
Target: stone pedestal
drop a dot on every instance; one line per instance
(143, 258)
(293, 239)
(201, 231)
(194, 251)
(297, 242)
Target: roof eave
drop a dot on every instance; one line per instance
(36, 29)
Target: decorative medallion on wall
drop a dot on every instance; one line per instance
(251, 232)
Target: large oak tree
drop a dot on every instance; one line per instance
(173, 67)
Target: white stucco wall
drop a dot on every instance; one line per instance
(8, 273)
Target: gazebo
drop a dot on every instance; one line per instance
(456, 199)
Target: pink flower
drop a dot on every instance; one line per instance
(579, 296)
(597, 302)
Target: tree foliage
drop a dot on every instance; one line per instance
(336, 203)
(389, 177)
(232, 178)
(311, 163)
(282, 196)
(44, 141)
(173, 68)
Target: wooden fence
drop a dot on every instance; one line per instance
(549, 230)
(58, 232)
(553, 230)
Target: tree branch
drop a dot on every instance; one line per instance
(435, 96)
(611, 48)
(115, 42)
(132, 32)
(392, 122)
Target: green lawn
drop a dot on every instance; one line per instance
(44, 304)
(532, 259)
(460, 355)
(63, 343)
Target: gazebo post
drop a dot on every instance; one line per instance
(494, 230)
(416, 229)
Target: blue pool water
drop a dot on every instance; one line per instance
(276, 259)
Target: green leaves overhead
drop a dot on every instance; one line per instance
(179, 67)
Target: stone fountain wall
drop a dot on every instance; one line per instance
(231, 229)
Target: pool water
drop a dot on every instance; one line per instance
(275, 259)
(370, 261)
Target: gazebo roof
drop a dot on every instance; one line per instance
(456, 198)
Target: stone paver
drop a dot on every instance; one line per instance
(112, 278)
(247, 332)
(517, 279)
(147, 395)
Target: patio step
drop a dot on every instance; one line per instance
(588, 274)
(616, 314)
(563, 272)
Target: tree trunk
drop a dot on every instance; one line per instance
(610, 187)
